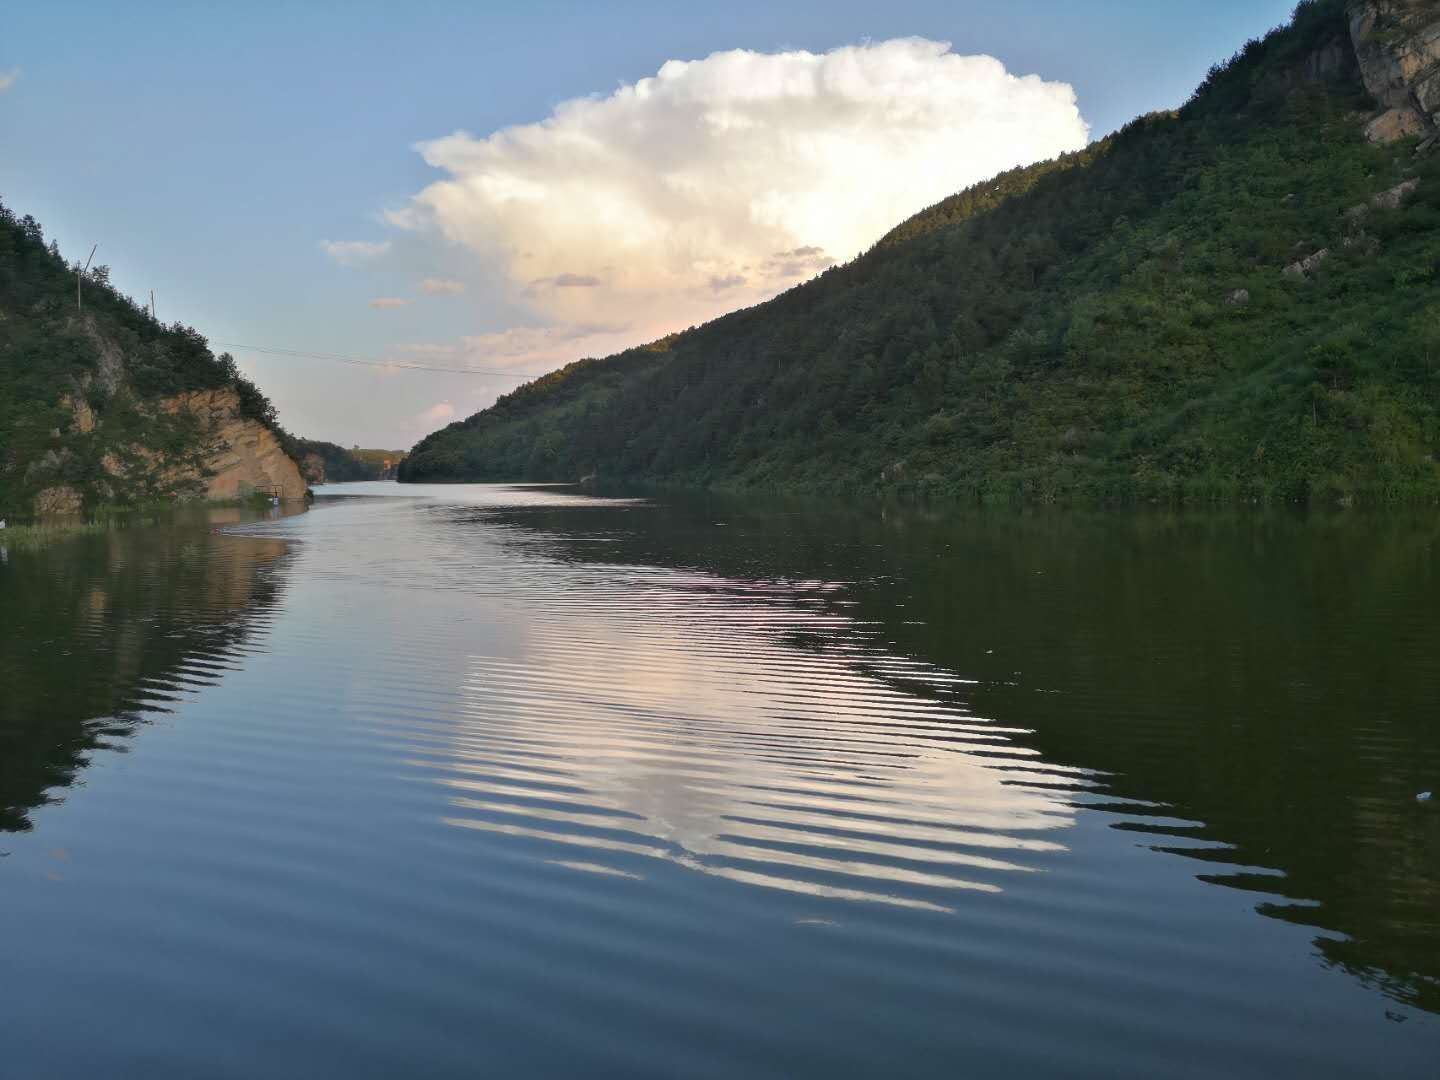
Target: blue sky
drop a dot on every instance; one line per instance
(211, 149)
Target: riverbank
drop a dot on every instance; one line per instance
(29, 537)
(44, 531)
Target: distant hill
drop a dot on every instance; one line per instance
(330, 463)
(386, 463)
(1239, 299)
(100, 403)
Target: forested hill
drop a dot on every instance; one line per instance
(102, 404)
(1237, 299)
(330, 463)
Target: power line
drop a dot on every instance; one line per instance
(404, 365)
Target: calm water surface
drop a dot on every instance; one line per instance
(473, 781)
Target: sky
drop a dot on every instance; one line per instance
(497, 189)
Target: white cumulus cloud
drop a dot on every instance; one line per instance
(719, 182)
(354, 252)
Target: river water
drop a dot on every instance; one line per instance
(485, 780)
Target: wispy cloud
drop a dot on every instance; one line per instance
(441, 287)
(540, 343)
(388, 303)
(569, 281)
(426, 349)
(518, 348)
(355, 252)
(801, 262)
(7, 79)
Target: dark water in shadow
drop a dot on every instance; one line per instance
(509, 782)
(101, 634)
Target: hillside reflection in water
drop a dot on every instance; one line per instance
(1268, 679)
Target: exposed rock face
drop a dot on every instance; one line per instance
(1393, 197)
(49, 462)
(110, 366)
(84, 415)
(58, 500)
(1397, 43)
(1307, 264)
(313, 468)
(195, 445)
(1358, 215)
(244, 455)
(1395, 124)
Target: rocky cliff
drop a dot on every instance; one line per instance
(1397, 43)
(100, 403)
(219, 455)
(242, 456)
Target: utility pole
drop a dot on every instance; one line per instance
(81, 277)
(152, 306)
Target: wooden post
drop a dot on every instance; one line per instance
(81, 277)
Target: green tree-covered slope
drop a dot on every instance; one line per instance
(330, 463)
(79, 386)
(1117, 324)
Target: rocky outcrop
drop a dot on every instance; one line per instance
(312, 466)
(58, 500)
(109, 360)
(243, 456)
(230, 456)
(1392, 125)
(80, 409)
(1397, 44)
(1306, 265)
(106, 406)
(195, 445)
(1391, 198)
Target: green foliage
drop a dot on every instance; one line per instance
(339, 464)
(377, 458)
(109, 353)
(1065, 331)
(33, 537)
